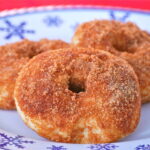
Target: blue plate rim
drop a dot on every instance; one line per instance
(32, 10)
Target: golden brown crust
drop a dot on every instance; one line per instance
(140, 61)
(122, 39)
(13, 57)
(78, 95)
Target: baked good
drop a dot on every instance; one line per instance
(78, 95)
(13, 57)
(125, 40)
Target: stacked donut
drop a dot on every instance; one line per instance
(89, 91)
(125, 40)
(13, 57)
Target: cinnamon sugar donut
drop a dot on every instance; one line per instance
(122, 39)
(78, 95)
(12, 58)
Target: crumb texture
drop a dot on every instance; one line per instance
(125, 40)
(76, 95)
(13, 57)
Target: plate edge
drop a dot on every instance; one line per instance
(52, 7)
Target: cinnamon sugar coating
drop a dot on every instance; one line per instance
(78, 95)
(125, 40)
(12, 58)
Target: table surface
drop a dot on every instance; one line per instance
(136, 4)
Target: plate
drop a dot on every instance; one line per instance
(60, 23)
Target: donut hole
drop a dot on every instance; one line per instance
(124, 49)
(122, 45)
(118, 48)
(76, 86)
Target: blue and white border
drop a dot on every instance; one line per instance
(16, 142)
(13, 30)
(60, 7)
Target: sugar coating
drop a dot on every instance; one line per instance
(12, 58)
(125, 40)
(106, 108)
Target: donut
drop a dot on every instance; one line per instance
(125, 40)
(13, 57)
(75, 95)
(141, 63)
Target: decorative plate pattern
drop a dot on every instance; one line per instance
(60, 23)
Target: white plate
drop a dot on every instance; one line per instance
(60, 23)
